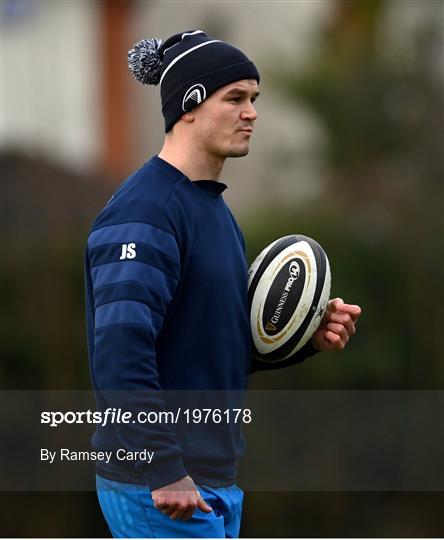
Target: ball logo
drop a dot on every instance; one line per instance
(294, 270)
(278, 310)
(193, 96)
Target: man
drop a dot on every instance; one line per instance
(166, 284)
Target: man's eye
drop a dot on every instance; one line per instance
(235, 99)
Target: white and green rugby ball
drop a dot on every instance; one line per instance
(288, 290)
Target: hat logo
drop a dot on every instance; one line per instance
(193, 96)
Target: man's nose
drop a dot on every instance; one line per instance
(249, 113)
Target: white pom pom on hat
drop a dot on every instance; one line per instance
(144, 61)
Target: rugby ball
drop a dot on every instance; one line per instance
(288, 291)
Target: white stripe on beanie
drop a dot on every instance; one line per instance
(185, 53)
(182, 36)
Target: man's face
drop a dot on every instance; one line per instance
(224, 122)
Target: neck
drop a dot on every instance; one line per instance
(192, 161)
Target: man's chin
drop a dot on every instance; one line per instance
(240, 151)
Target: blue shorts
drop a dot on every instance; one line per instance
(129, 512)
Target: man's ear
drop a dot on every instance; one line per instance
(188, 117)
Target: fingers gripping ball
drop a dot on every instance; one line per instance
(288, 290)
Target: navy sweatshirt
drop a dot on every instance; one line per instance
(168, 324)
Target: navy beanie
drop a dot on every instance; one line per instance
(189, 66)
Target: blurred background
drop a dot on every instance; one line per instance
(348, 149)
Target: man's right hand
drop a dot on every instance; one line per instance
(179, 499)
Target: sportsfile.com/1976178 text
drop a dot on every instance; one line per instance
(113, 415)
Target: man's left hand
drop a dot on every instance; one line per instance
(337, 326)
